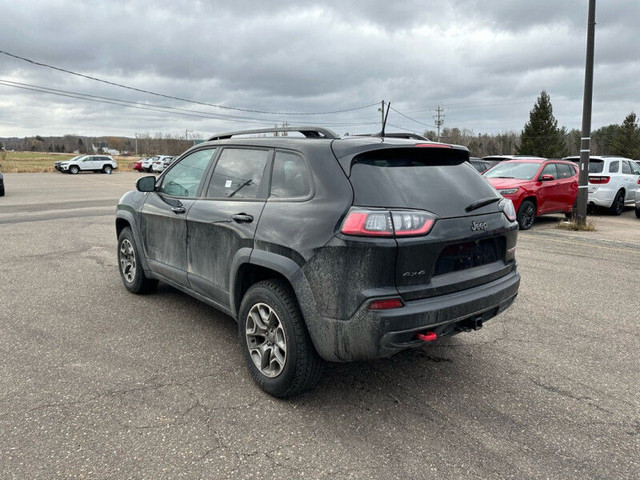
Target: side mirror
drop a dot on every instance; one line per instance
(146, 184)
(545, 178)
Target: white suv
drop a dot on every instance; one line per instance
(90, 163)
(613, 181)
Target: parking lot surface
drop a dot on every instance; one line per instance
(98, 383)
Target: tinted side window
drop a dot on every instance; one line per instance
(550, 169)
(238, 173)
(626, 168)
(290, 177)
(565, 171)
(614, 167)
(184, 178)
(635, 169)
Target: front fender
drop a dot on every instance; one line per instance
(125, 213)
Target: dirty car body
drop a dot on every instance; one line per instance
(384, 243)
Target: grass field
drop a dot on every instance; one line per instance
(35, 162)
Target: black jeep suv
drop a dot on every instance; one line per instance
(324, 248)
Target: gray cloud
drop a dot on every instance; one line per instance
(486, 62)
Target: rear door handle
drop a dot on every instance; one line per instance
(178, 209)
(242, 218)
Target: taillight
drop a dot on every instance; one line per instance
(599, 180)
(368, 224)
(387, 223)
(639, 181)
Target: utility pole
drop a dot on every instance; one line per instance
(136, 144)
(439, 118)
(585, 141)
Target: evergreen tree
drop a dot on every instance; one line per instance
(626, 142)
(541, 135)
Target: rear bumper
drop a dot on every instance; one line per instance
(374, 334)
(601, 195)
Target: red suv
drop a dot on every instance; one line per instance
(536, 186)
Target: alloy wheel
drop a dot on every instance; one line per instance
(266, 340)
(127, 261)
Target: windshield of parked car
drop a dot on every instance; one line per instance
(77, 157)
(519, 170)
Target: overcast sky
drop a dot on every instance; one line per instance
(485, 62)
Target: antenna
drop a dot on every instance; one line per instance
(384, 123)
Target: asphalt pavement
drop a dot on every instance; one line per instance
(98, 383)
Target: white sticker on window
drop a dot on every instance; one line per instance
(227, 184)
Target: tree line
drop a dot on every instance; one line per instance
(144, 145)
(542, 137)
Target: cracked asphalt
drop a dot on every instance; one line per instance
(98, 383)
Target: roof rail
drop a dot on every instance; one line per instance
(309, 132)
(408, 135)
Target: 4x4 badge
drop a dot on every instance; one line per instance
(479, 226)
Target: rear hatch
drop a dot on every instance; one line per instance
(469, 238)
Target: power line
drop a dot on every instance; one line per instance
(150, 107)
(120, 103)
(149, 92)
(412, 119)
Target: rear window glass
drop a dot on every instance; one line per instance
(441, 181)
(596, 166)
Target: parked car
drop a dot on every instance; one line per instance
(137, 165)
(323, 248)
(637, 203)
(160, 163)
(480, 164)
(613, 181)
(536, 186)
(167, 161)
(1, 184)
(87, 163)
(147, 162)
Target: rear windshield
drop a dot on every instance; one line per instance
(596, 166)
(519, 170)
(441, 181)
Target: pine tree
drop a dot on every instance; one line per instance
(541, 135)
(626, 142)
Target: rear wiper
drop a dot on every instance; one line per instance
(482, 203)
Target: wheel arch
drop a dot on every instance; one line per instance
(533, 199)
(126, 219)
(252, 266)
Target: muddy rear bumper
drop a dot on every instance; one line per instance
(374, 334)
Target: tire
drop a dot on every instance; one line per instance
(526, 215)
(107, 169)
(270, 317)
(618, 204)
(73, 169)
(129, 266)
(1, 190)
(637, 209)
